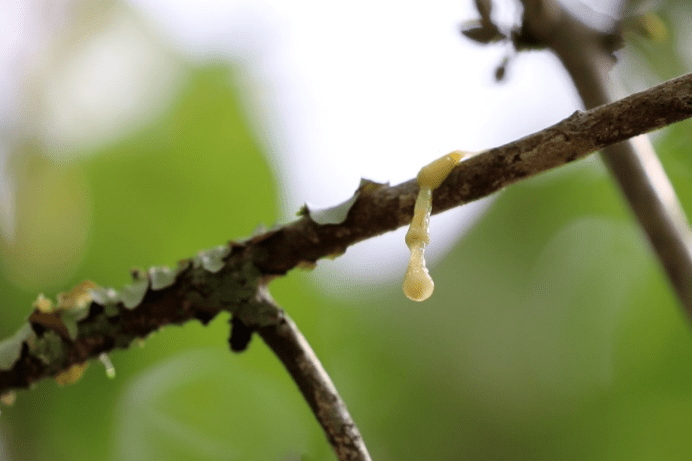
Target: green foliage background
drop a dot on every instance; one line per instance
(552, 333)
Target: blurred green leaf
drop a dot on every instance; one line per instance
(194, 179)
(207, 404)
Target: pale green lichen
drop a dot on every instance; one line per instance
(72, 306)
(110, 310)
(227, 292)
(99, 325)
(132, 295)
(49, 347)
(104, 296)
(11, 348)
(212, 260)
(162, 277)
(108, 298)
(70, 320)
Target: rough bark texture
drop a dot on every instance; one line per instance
(286, 341)
(200, 294)
(587, 55)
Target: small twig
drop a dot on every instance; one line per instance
(633, 163)
(291, 347)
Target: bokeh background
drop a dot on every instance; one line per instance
(135, 133)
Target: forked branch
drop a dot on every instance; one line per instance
(290, 346)
(198, 293)
(233, 277)
(586, 54)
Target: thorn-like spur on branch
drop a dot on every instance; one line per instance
(285, 340)
(229, 277)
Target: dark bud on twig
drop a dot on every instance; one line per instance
(241, 335)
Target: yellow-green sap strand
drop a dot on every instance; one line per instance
(418, 286)
(433, 174)
(418, 230)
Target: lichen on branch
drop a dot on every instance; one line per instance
(229, 277)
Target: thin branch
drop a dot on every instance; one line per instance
(289, 345)
(586, 55)
(229, 278)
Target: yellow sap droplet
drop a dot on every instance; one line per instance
(418, 285)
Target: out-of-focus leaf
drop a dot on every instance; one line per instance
(53, 217)
(206, 404)
(193, 179)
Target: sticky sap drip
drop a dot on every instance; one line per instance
(418, 285)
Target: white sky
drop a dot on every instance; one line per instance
(336, 91)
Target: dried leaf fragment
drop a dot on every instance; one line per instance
(104, 296)
(8, 398)
(72, 374)
(77, 298)
(43, 304)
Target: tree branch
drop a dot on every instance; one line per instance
(89, 321)
(229, 277)
(587, 56)
(285, 340)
